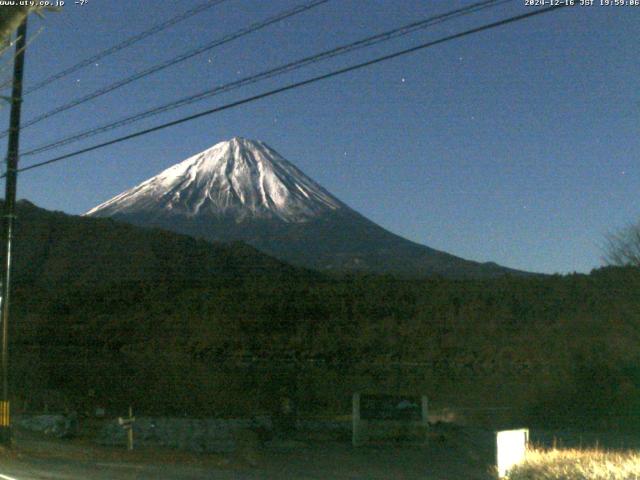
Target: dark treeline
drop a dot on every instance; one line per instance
(109, 314)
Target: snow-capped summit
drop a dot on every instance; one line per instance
(238, 178)
(242, 190)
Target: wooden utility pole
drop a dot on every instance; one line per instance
(9, 217)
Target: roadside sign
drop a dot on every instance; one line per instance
(127, 424)
(511, 449)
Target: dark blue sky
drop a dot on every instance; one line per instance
(519, 145)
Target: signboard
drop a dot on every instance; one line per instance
(390, 407)
(512, 448)
(127, 424)
(385, 417)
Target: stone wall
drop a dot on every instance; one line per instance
(333, 429)
(196, 435)
(200, 435)
(57, 425)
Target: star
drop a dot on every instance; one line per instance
(403, 79)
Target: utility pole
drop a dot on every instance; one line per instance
(9, 214)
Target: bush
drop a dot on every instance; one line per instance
(577, 465)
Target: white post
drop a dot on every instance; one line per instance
(130, 432)
(425, 416)
(355, 418)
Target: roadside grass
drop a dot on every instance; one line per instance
(577, 464)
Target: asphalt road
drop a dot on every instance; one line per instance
(458, 454)
(57, 469)
(320, 464)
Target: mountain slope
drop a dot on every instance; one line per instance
(53, 249)
(244, 190)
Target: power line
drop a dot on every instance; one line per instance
(295, 85)
(175, 60)
(286, 68)
(124, 44)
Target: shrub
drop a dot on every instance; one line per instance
(573, 464)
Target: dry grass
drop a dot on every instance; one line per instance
(570, 464)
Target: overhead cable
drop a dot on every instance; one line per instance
(270, 73)
(124, 44)
(173, 61)
(296, 85)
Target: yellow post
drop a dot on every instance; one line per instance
(4, 414)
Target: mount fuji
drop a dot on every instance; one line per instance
(243, 190)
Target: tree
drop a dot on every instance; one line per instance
(10, 18)
(622, 248)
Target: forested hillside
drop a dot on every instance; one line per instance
(110, 314)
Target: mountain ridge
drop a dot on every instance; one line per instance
(244, 190)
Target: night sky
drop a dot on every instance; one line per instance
(519, 145)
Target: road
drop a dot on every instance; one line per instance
(38, 469)
(321, 464)
(33, 468)
(49, 470)
(458, 456)
(37, 457)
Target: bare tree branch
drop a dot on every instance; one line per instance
(622, 248)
